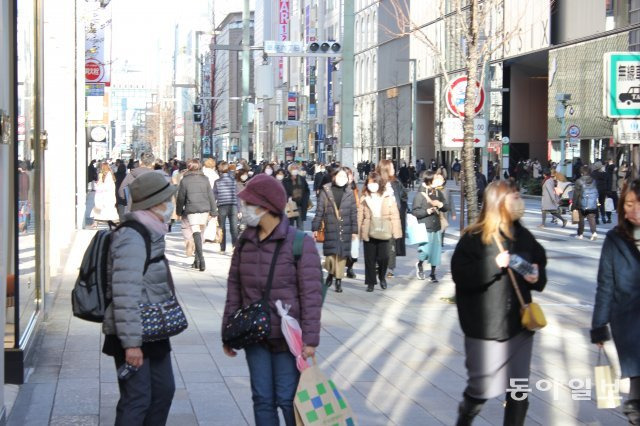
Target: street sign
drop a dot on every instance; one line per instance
(456, 94)
(621, 88)
(573, 131)
(273, 47)
(628, 131)
(94, 89)
(453, 133)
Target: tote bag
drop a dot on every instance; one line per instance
(607, 387)
(416, 231)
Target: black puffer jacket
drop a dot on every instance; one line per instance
(337, 232)
(421, 205)
(488, 307)
(195, 195)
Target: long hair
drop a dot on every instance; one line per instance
(384, 169)
(104, 172)
(374, 177)
(624, 227)
(494, 216)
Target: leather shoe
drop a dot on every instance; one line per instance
(383, 284)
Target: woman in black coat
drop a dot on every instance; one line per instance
(339, 229)
(298, 191)
(618, 295)
(497, 347)
(397, 246)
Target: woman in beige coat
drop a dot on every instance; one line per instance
(379, 224)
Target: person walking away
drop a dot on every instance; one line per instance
(611, 186)
(104, 209)
(585, 201)
(225, 192)
(412, 176)
(351, 261)
(145, 397)
(427, 206)
(210, 171)
(146, 166)
(338, 212)
(185, 228)
(456, 171)
(550, 200)
(450, 214)
(617, 298)
(297, 190)
(196, 201)
(296, 282)
(379, 211)
(393, 186)
(497, 347)
(92, 172)
(403, 175)
(121, 202)
(599, 175)
(481, 184)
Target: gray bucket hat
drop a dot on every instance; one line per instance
(150, 189)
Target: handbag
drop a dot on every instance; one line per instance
(607, 387)
(163, 319)
(608, 204)
(292, 209)
(531, 316)
(380, 229)
(416, 231)
(320, 233)
(444, 222)
(251, 324)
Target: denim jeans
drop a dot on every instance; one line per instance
(274, 379)
(229, 211)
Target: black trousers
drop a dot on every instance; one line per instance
(600, 213)
(376, 252)
(145, 399)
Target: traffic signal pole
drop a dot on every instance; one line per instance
(246, 46)
(346, 101)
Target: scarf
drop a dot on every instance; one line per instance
(151, 221)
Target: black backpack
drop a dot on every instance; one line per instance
(89, 296)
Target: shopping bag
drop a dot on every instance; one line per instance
(211, 231)
(292, 334)
(608, 204)
(292, 209)
(416, 232)
(355, 248)
(575, 217)
(607, 386)
(319, 402)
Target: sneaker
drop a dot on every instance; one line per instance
(594, 237)
(449, 300)
(579, 237)
(390, 274)
(419, 271)
(433, 278)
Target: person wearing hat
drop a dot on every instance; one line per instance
(296, 282)
(145, 397)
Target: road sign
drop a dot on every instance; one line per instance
(621, 88)
(628, 131)
(453, 133)
(272, 47)
(573, 131)
(93, 70)
(456, 93)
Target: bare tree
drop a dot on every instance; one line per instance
(482, 34)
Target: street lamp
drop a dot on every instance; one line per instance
(414, 98)
(562, 100)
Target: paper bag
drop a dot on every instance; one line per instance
(575, 217)
(211, 231)
(607, 387)
(319, 402)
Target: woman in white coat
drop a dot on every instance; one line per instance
(105, 209)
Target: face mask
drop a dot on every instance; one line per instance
(279, 177)
(244, 178)
(269, 172)
(250, 215)
(250, 174)
(373, 188)
(437, 183)
(341, 179)
(515, 208)
(294, 173)
(166, 213)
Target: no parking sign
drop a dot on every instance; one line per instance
(456, 94)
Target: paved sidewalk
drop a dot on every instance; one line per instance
(398, 355)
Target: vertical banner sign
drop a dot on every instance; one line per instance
(283, 32)
(292, 106)
(97, 46)
(331, 111)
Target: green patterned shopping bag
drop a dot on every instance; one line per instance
(319, 402)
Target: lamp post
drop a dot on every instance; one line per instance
(414, 99)
(562, 100)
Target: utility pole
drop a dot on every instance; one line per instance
(346, 101)
(246, 36)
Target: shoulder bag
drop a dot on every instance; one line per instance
(380, 228)
(531, 315)
(252, 324)
(320, 233)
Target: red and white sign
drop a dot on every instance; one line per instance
(453, 133)
(456, 94)
(93, 71)
(283, 31)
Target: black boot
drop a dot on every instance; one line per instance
(351, 274)
(631, 409)
(197, 239)
(338, 286)
(433, 275)
(329, 281)
(515, 411)
(468, 409)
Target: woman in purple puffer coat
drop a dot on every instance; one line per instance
(272, 368)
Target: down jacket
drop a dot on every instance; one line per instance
(195, 195)
(296, 284)
(389, 212)
(129, 287)
(338, 232)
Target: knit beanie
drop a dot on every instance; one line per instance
(265, 191)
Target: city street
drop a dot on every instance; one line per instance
(397, 354)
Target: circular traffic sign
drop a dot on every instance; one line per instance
(456, 93)
(93, 70)
(573, 131)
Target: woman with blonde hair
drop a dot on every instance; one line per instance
(393, 186)
(209, 170)
(498, 348)
(105, 209)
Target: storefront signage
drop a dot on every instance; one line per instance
(97, 45)
(331, 111)
(456, 93)
(628, 131)
(94, 89)
(621, 85)
(453, 133)
(292, 106)
(283, 31)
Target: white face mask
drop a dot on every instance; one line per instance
(166, 213)
(341, 179)
(269, 172)
(279, 177)
(303, 173)
(250, 174)
(373, 188)
(244, 178)
(250, 214)
(294, 173)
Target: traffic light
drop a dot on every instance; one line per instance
(197, 113)
(325, 48)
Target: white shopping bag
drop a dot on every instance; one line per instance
(607, 386)
(355, 248)
(211, 231)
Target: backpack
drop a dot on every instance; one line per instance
(89, 295)
(589, 199)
